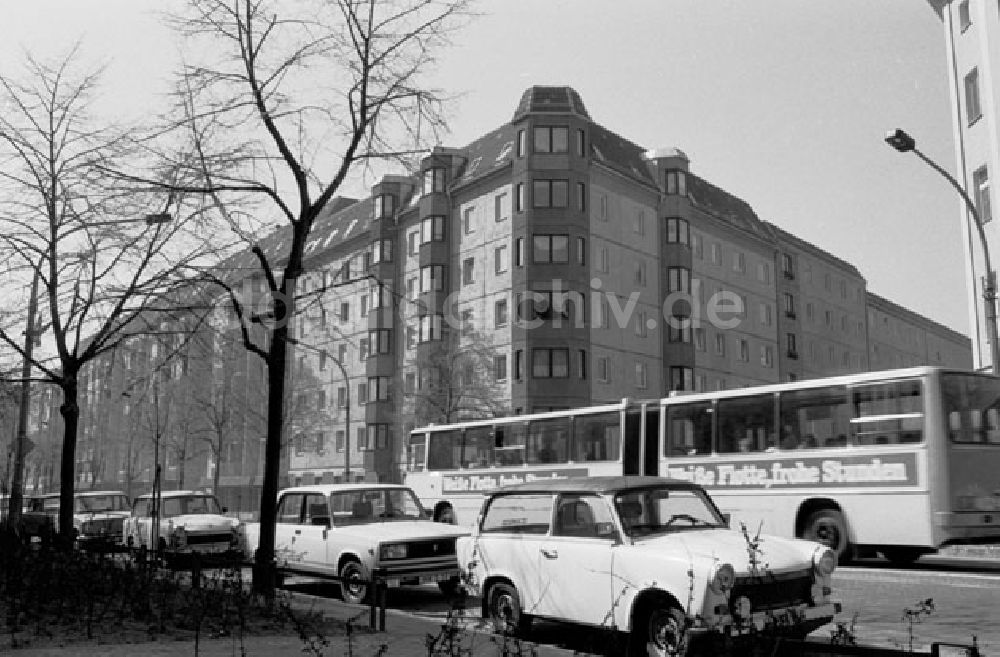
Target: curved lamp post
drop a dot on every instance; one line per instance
(904, 143)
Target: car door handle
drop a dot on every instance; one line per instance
(549, 553)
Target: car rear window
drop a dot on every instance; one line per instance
(518, 514)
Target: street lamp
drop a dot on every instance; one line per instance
(904, 143)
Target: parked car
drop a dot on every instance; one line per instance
(191, 522)
(99, 519)
(649, 556)
(348, 531)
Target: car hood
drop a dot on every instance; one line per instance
(398, 530)
(199, 521)
(774, 554)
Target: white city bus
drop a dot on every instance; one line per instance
(901, 462)
(450, 467)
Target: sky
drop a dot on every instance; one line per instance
(783, 103)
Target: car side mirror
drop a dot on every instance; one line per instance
(727, 518)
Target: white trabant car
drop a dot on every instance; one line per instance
(191, 522)
(649, 556)
(352, 531)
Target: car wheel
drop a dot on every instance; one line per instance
(504, 608)
(451, 587)
(827, 526)
(901, 556)
(353, 586)
(660, 631)
(447, 516)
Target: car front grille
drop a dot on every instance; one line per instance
(428, 549)
(103, 527)
(770, 591)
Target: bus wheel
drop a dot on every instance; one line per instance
(447, 516)
(827, 526)
(901, 556)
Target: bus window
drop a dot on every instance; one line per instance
(548, 440)
(689, 429)
(508, 443)
(746, 424)
(478, 452)
(443, 451)
(814, 417)
(416, 451)
(888, 413)
(598, 437)
(972, 406)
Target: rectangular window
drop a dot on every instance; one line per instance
(681, 378)
(500, 259)
(550, 248)
(678, 231)
(551, 139)
(964, 17)
(716, 253)
(411, 242)
(434, 180)
(766, 356)
(582, 363)
(411, 288)
(468, 271)
(787, 266)
(501, 209)
(739, 262)
(521, 143)
(364, 305)
(431, 278)
(699, 339)
(640, 273)
(411, 337)
(519, 197)
(746, 424)
(550, 363)
(432, 229)
(581, 196)
(720, 344)
(763, 272)
(345, 311)
(698, 246)
(341, 397)
(603, 214)
(678, 279)
(603, 369)
(519, 364)
(639, 222)
(362, 393)
(676, 183)
(549, 193)
(581, 251)
(793, 352)
(581, 143)
(500, 313)
(378, 388)
(678, 331)
(519, 252)
(499, 368)
(380, 341)
(766, 315)
(384, 206)
(640, 324)
(789, 302)
(981, 192)
(744, 351)
(468, 221)
(603, 261)
(641, 380)
(430, 328)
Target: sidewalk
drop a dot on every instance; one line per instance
(405, 636)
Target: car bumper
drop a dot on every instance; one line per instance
(801, 618)
(401, 576)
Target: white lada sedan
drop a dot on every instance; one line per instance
(648, 556)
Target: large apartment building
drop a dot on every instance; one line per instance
(549, 264)
(972, 53)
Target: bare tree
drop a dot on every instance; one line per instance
(289, 98)
(101, 262)
(456, 380)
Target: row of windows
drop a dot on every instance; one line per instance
(370, 437)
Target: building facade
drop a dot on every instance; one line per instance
(549, 264)
(972, 50)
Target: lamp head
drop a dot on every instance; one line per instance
(901, 141)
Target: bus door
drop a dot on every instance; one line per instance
(640, 448)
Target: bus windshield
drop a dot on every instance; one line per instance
(972, 408)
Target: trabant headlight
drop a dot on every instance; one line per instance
(723, 578)
(393, 551)
(824, 561)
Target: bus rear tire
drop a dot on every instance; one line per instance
(827, 526)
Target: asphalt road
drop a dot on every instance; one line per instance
(875, 595)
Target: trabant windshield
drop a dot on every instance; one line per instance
(179, 506)
(363, 506)
(100, 503)
(664, 509)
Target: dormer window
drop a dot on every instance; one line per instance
(676, 182)
(551, 139)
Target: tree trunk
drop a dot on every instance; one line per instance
(263, 571)
(70, 412)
